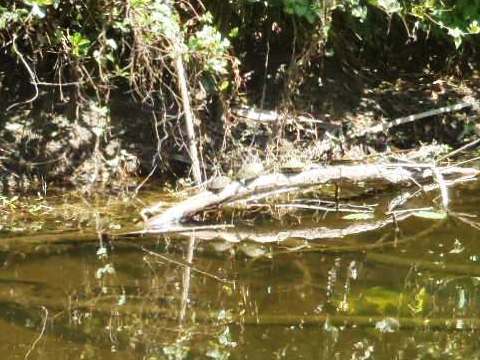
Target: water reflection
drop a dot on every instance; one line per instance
(384, 293)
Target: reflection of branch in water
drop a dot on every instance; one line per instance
(305, 233)
(186, 279)
(472, 270)
(44, 325)
(404, 197)
(241, 318)
(364, 321)
(312, 247)
(22, 314)
(187, 264)
(464, 218)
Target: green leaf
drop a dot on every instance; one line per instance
(300, 9)
(310, 16)
(289, 10)
(80, 44)
(358, 216)
(433, 215)
(223, 85)
(233, 33)
(39, 2)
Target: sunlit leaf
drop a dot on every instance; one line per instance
(474, 27)
(390, 6)
(80, 44)
(39, 2)
(233, 33)
(223, 85)
(38, 12)
(112, 44)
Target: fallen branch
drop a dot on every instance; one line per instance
(264, 186)
(271, 116)
(411, 118)
(324, 208)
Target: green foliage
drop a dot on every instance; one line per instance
(80, 45)
(158, 17)
(389, 6)
(39, 2)
(9, 17)
(302, 9)
(102, 43)
(209, 44)
(356, 8)
(456, 19)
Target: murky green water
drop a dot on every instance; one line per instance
(410, 293)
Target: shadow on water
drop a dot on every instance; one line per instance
(406, 292)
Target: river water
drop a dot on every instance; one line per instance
(404, 291)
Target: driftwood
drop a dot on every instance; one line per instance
(277, 183)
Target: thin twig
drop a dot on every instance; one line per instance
(43, 83)
(460, 149)
(265, 75)
(177, 229)
(137, 189)
(188, 264)
(463, 218)
(32, 75)
(44, 326)
(323, 208)
(464, 162)
(443, 187)
(410, 118)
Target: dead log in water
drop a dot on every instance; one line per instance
(270, 185)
